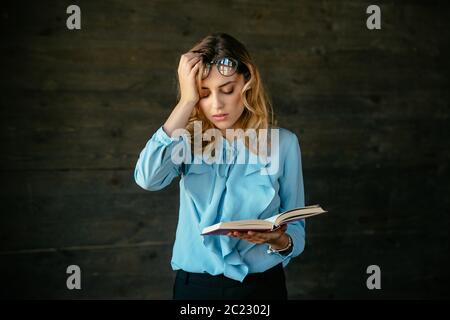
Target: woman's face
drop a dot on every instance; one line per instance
(220, 98)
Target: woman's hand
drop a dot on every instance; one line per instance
(187, 70)
(277, 238)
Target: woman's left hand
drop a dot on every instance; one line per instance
(270, 237)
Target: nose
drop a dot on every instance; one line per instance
(217, 103)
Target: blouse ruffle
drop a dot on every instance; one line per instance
(226, 186)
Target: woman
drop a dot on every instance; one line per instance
(220, 88)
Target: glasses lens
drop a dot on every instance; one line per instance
(206, 70)
(227, 66)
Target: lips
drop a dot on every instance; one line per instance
(220, 116)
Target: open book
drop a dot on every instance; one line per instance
(268, 224)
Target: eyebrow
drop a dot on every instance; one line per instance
(222, 85)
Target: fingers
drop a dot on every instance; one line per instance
(191, 54)
(191, 57)
(190, 62)
(251, 236)
(196, 66)
(187, 70)
(251, 239)
(258, 237)
(237, 234)
(194, 61)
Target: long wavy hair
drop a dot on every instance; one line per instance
(258, 112)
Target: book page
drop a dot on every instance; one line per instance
(298, 214)
(274, 218)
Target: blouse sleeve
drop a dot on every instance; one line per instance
(292, 195)
(155, 169)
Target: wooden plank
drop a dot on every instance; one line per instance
(64, 209)
(70, 208)
(409, 269)
(380, 131)
(113, 273)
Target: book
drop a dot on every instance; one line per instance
(262, 225)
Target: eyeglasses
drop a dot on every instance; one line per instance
(226, 66)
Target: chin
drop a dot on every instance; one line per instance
(221, 124)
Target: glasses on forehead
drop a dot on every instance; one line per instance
(226, 66)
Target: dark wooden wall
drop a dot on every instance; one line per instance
(371, 109)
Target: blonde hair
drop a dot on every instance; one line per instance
(258, 111)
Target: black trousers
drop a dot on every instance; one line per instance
(270, 284)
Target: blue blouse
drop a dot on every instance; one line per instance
(211, 193)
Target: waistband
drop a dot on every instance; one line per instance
(276, 272)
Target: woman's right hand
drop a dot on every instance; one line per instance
(187, 71)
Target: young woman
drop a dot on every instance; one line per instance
(220, 88)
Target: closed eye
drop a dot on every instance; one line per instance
(228, 92)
